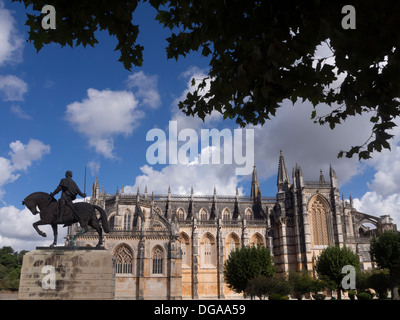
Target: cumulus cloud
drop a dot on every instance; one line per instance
(146, 86)
(21, 158)
(104, 115)
(11, 41)
(16, 230)
(181, 177)
(12, 88)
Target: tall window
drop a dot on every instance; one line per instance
(232, 243)
(226, 215)
(248, 215)
(203, 214)
(207, 252)
(181, 214)
(318, 222)
(158, 259)
(185, 248)
(127, 220)
(123, 259)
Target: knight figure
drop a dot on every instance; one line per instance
(69, 191)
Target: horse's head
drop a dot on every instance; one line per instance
(37, 200)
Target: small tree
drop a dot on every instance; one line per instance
(385, 251)
(332, 260)
(302, 283)
(245, 264)
(379, 280)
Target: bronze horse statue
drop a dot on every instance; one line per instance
(48, 208)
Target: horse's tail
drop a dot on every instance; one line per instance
(104, 221)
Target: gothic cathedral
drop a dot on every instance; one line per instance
(169, 246)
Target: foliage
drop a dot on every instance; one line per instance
(261, 53)
(379, 280)
(302, 283)
(332, 260)
(10, 268)
(364, 296)
(385, 251)
(245, 264)
(268, 287)
(319, 296)
(352, 294)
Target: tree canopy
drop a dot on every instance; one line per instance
(331, 261)
(261, 54)
(385, 251)
(245, 264)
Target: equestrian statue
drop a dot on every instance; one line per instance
(65, 211)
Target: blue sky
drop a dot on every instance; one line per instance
(63, 108)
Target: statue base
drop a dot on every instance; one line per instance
(67, 273)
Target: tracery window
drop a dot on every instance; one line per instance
(203, 214)
(207, 251)
(157, 260)
(226, 215)
(127, 220)
(318, 222)
(185, 248)
(232, 243)
(123, 259)
(181, 214)
(248, 215)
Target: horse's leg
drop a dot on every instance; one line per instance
(94, 224)
(39, 223)
(55, 233)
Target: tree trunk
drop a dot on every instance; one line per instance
(339, 294)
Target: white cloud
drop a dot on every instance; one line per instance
(310, 145)
(16, 230)
(13, 88)
(20, 112)
(11, 41)
(146, 88)
(21, 158)
(102, 116)
(181, 177)
(23, 155)
(94, 167)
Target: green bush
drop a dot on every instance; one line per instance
(352, 294)
(319, 296)
(277, 296)
(364, 296)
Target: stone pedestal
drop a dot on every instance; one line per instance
(77, 273)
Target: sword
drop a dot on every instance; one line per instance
(84, 184)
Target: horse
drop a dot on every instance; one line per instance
(48, 208)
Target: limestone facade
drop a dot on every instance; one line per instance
(174, 246)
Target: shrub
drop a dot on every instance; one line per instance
(352, 294)
(364, 296)
(319, 296)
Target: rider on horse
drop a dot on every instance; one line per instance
(69, 192)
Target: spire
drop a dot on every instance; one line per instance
(283, 176)
(321, 176)
(255, 185)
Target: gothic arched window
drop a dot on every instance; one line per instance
(203, 214)
(123, 259)
(127, 220)
(208, 251)
(185, 248)
(157, 260)
(318, 211)
(226, 215)
(181, 214)
(248, 215)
